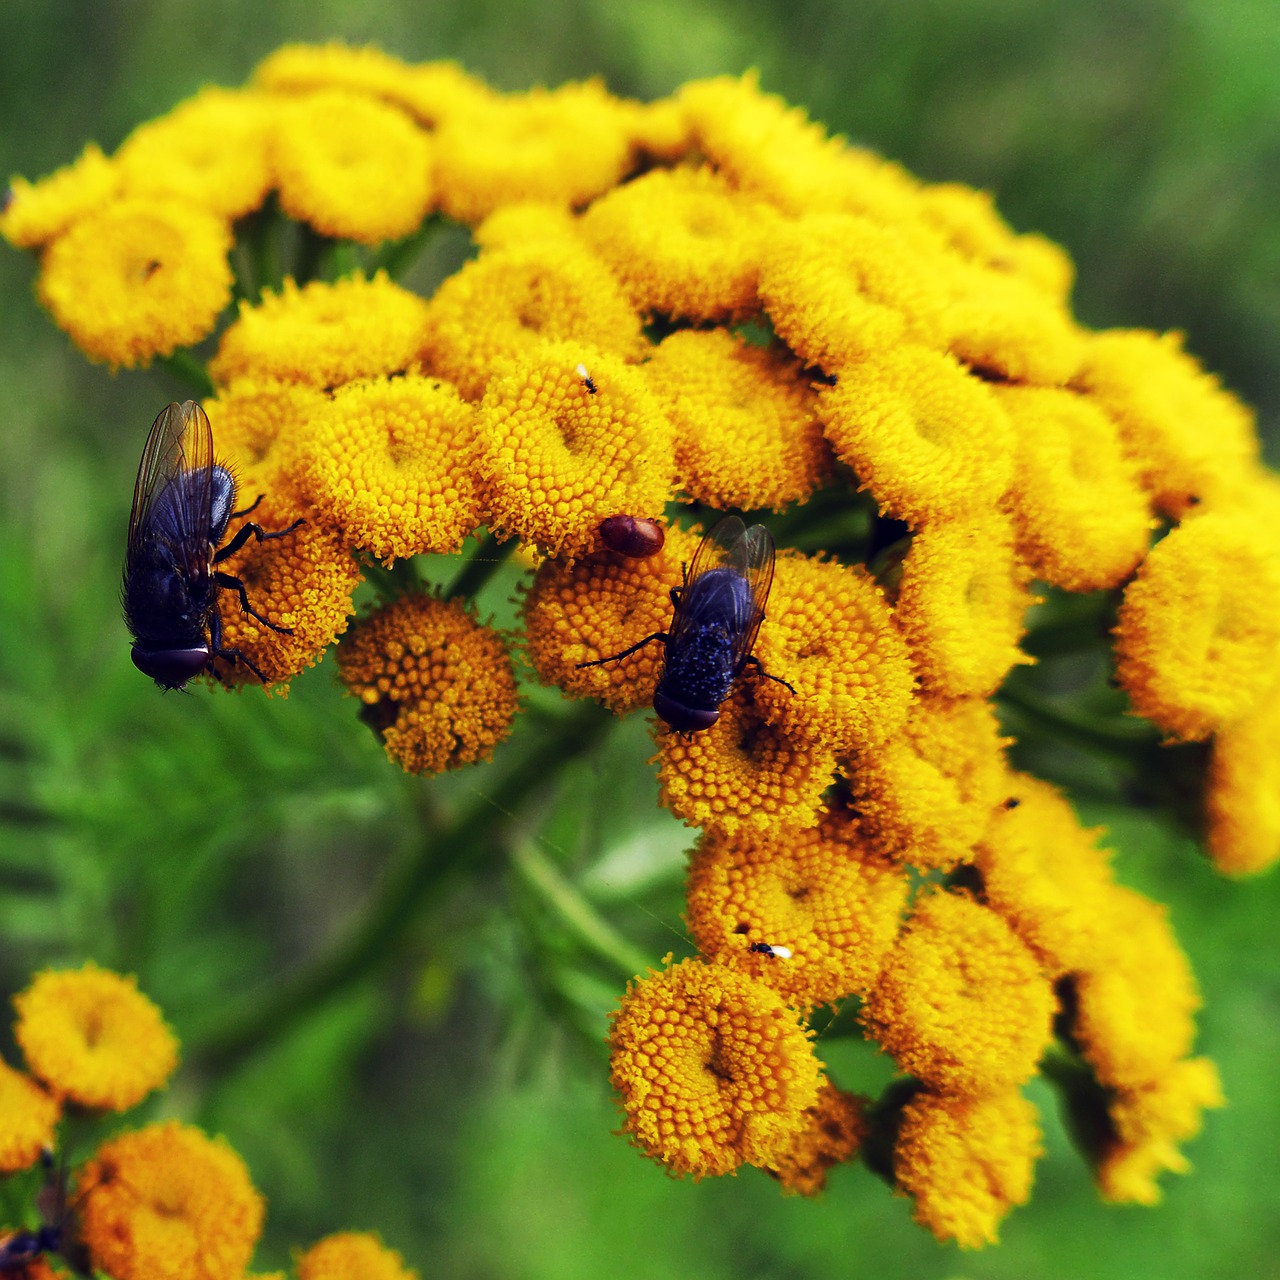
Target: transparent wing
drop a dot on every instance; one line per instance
(752, 556)
(712, 553)
(179, 448)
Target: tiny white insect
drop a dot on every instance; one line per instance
(774, 949)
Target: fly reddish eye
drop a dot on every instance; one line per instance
(171, 668)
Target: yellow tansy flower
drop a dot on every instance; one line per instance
(350, 166)
(1190, 440)
(1148, 1123)
(744, 774)
(966, 1161)
(961, 1002)
(681, 243)
(1082, 520)
(835, 1128)
(711, 1069)
(352, 1255)
(746, 432)
(557, 459)
(138, 278)
(1198, 638)
(93, 1037)
(927, 792)
(438, 685)
(929, 441)
(523, 224)
(962, 602)
(826, 895)
(831, 635)
(1242, 791)
(168, 1203)
(210, 151)
(385, 463)
(324, 334)
(28, 1118)
(509, 301)
(35, 212)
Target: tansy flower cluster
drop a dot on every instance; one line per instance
(164, 1200)
(676, 309)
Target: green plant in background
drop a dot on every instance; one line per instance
(752, 319)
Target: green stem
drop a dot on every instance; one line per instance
(249, 1023)
(481, 565)
(392, 582)
(1115, 740)
(183, 366)
(397, 256)
(262, 231)
(586, 925)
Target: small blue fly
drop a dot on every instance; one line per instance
(717, 613)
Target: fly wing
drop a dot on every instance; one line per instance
(714, 551)
(179, 448)
(752, 556)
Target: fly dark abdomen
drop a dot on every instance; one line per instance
(703, 655)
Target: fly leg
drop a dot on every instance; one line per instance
(753, 661)
(215, 640)
(234, 584)
(640, 644)
(251, 530)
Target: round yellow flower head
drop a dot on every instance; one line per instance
(962, 602)
(961, 1002)
(929, 441)
(352, 1255)
(510, 301)
(566, 146)
(590, 608)
(682, 243)
(1136, 1000)
(1198, 638)
(831, 635)
(303, 582)
(744, 774)
(841, 289)
(388, 464)
(138, 278)
(1190, 440)
(835, 1128)
(711, 1069)
(528, 221)
(324, 334)
(93, 1037)
(168, 1203)
(966, 1161)
(1047, 876)
(825, 895)
(36, 212)
(1242, 796)
(927, 792)
(352, 167)
(210, 151)
(746, 432)
(558, 458)
(28, 1118)
(1147, 1124)
(1082, 519)
(438, 685)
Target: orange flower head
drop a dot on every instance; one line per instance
(930, 442)
(711, 1069)
(746, 432)
(557, 458)
(830, 634)
(351, 166)
(682, 244)
(834, 1131)
(510, 301)
(966, 1161)
(927, 792)
(210, 151)
(438, 685)
(324, 334)
(389, 464)
(28, 1118)
(93, 1037)
(353, 1255)
(138, 278)
(36, 212)
(825, 895)
(962, 602)
(743, 774)
(168, 1203)
(961, 1002)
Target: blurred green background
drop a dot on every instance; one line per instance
(455, 1099)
